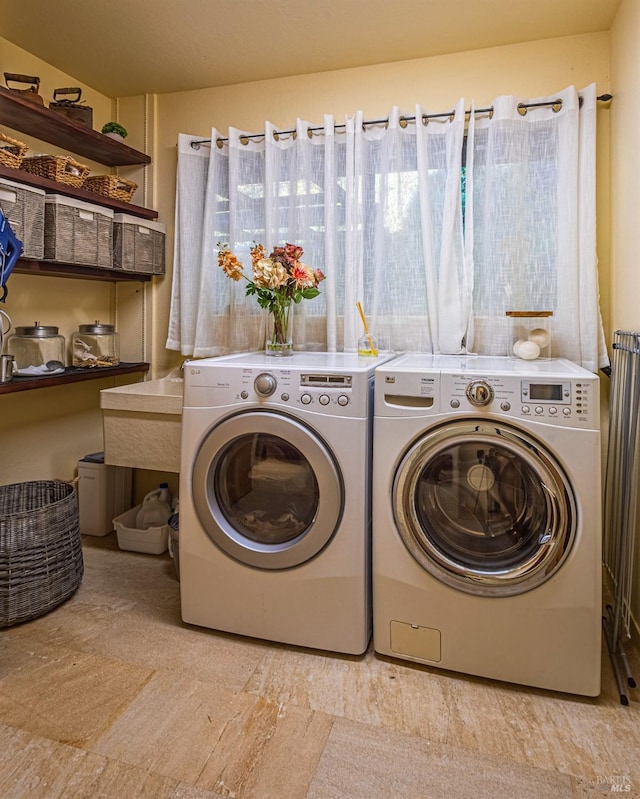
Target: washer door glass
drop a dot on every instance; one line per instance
(484, 507)
(258, 479)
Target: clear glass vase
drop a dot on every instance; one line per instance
(280, 330)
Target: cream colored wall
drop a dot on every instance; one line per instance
(530, 70)
(44, 432)
(625, 168)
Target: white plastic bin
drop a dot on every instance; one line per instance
(153, 541)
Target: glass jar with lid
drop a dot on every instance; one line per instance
(95, 345)
(37, 349)
(531, 334)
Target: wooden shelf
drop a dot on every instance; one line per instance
(72, 375)
(42, 123)
(55, 269)
(52, 187)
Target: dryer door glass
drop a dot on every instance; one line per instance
(267, 489)
(484, 508)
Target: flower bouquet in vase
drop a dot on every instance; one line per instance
(280, 281)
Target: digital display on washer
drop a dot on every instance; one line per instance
(546, 392)
(326, 381)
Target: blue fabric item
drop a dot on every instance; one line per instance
(10, 250)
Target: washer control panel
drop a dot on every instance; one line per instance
(566, 402)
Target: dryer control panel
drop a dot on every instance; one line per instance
(324, 392)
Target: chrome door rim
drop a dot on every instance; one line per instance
(330, 507)
(554, 542)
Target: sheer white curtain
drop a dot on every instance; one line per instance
(404, 233)
(191, 184)
(531, 224)
(377, 208)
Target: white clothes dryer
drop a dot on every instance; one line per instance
(275, 509)
(487, 518)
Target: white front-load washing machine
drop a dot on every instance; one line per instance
(275, 511)
(487, 518)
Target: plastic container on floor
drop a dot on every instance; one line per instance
(154, 511)
(103, 492)
(153, 540)
(165, 494)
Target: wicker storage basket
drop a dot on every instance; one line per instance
(76, 232)
(112, 186)
(11, 151)
(61, 168)
(23, 206)
(138, 245)
(40, 549)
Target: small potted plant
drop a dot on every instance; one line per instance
(114, 130)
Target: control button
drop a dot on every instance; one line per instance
(553, 411)
(505, 406)
(479, 393)
(343, 400)
(284, 397)
(265, 384)
(455, 403)
(244, 394)
(566, 411)
(323, 399)
(305, 399)
(526, 409)
(538, 410)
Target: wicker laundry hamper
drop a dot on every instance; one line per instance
(40, 548)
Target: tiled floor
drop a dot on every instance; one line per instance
(111, 695)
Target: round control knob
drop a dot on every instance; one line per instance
(566, 411)
(265, 384)
(538, 410)
(244, 394)
(305, 399)
(323, 399)
(505, 406)
(553, 411)
(343, 400)
(284, 397)
(479, 393)
(526, 409)
(455, 403)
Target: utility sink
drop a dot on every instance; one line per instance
(142, 424)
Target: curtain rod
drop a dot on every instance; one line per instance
(555, 106)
